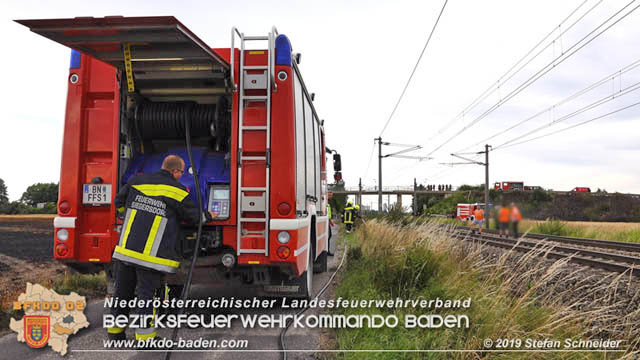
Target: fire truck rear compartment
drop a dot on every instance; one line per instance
(165, 74)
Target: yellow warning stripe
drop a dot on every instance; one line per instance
(115, 330)
(147, 258)
(128, 68)
(162, 190)
(152, 235)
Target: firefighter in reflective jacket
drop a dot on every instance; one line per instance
(153, 205)
(348, 216)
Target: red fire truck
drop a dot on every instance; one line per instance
(465, 211)
(509, 185)
(258, 145)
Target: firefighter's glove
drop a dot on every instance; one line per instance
(120, 213)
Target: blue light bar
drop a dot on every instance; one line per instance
(76, 56)
(283, 50)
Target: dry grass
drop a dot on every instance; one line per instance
(514, 295)
(27, 217)
(591, 225)
(615, 231)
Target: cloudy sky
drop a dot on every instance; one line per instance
(357, 57)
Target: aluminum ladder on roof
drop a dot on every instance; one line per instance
(247, 81)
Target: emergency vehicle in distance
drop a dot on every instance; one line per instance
(464, 211)
(509, 185)
(581, 189)
(258, 146)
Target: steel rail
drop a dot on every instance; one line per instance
(534, 244)
(605, 244)
(574, 257)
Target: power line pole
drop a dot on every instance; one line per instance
(415, 197)
(486, 176)
(379, 174)
(398, 154)
(359, 199)
(486, 185)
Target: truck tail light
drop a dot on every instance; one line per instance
(64, 207)
(283, 252)
(62, 250)
(284, 208)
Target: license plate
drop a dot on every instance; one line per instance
(96, 194)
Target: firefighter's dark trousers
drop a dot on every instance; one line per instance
(134, 281)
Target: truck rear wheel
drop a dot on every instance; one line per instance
(330, 251)
(306, 279)
(320, 265)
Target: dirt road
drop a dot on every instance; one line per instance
(26, 253)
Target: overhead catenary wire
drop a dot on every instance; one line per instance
(510, 73)
(373, 148)
(414, 69)
(586, 90)
(573, 49)
(599, 102)
(569, 127)
(503, 79)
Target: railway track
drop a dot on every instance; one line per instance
(602, 244)
(596, 259)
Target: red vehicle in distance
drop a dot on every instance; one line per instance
(581, 190)
(509, 185)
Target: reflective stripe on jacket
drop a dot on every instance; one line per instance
(348, 215)
(155, 204)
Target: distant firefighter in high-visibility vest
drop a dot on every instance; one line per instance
(478, 219)
(349, 216)
(504, 215)
(516, 217)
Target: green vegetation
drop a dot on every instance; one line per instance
(420, 261)
(85, 285)
(339, 201)
(35, 194)
(626, 232)
(540, 204)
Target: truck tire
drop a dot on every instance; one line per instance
(330, 251)
(306, 279)
(320, 265)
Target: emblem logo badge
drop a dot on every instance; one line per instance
(36, 330)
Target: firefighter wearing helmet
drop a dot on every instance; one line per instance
(349, 216)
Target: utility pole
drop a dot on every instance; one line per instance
(486, 176)
(395, 154)
(415, 197)
(379, 174)
(486, 186)
(359, 199)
